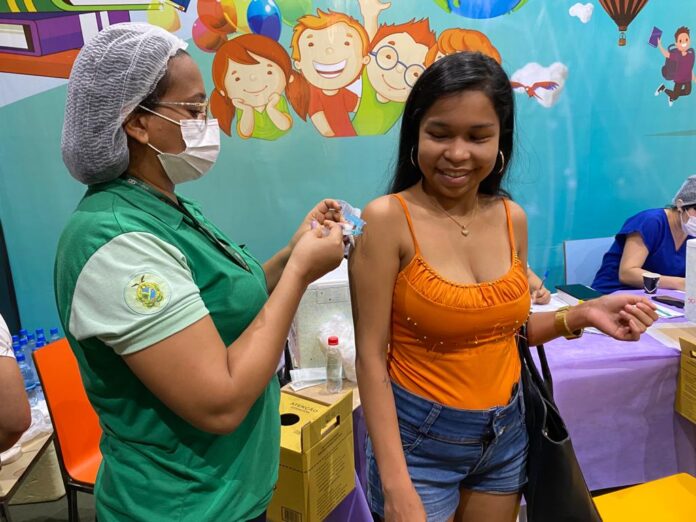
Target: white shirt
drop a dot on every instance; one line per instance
(5, 340)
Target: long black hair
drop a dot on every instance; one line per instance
(455, 73)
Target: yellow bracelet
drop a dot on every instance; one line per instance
(561, 324)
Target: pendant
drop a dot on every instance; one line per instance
(465, 232)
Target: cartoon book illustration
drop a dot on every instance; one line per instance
(57, 65)
(38, 34)
(53, 6)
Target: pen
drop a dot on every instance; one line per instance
(543, 280)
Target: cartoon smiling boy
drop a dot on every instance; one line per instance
(330, 51)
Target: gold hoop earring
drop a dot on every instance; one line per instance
(412, 160)
(502, 160)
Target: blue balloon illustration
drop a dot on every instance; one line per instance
(482, 8)
(264, 18)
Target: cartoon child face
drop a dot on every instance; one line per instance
(396, 63)
(254, 83)
(331, 58)
(683, 41)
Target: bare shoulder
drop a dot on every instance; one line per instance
(517, 213)
(382, 209)
(386, 228)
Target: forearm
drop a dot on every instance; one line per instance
(632, 276)
(281, 120)
(541, 327)
(382, 423)
(273, 268)
(671, 282)
(253, 357)
(246, 123)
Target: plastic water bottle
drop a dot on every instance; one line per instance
(334, 366)
(29, 377)
(55, 336)
(31, 342)
(26, 352)
(41, 336)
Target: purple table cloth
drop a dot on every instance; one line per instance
(617, 400)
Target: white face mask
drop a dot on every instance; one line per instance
(202, 139)
(689, 227)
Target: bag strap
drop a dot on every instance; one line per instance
(544, 381)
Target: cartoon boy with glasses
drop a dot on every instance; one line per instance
(397, 55)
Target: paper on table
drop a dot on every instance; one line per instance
(665, 312)
(551, 306)
(669, 333)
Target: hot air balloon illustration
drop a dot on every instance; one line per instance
(623, 12)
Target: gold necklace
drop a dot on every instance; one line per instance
(463, 228)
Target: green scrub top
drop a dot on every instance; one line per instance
(130, 271)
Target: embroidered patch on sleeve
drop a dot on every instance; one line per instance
(147, 293)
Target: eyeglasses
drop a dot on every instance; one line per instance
(199, 109)
(387, 58)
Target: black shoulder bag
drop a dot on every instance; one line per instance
(556, 490)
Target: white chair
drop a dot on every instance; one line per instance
(583, 257)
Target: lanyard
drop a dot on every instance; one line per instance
(226, 250)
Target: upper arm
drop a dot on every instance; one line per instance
(189, 373)
(137, 295)
(15, 415)
(374, 266)
(519, 225)
(634, 253)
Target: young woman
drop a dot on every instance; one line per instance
(440, 291)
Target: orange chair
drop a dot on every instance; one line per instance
(74, 421)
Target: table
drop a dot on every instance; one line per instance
(617, 400)
(12, 475)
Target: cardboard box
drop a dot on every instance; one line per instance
(317, 470)
(325, 298)
(685, 403)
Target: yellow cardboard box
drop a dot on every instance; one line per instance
(317, 470)
(685, 403)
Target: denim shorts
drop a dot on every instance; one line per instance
(447, 449)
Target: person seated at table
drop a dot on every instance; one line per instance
(540, 294)
(653, 240)
(15, 416)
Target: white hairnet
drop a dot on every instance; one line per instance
(113, 72)
(687, 192)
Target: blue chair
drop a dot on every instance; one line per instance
(583, 257)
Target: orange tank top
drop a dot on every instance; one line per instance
(455, 344)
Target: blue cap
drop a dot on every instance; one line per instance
(39, 331)
(40, 343)
(15, 345)
(23, 331)
(31, 337)
(15, 338)
(54, 331)
(23, 341)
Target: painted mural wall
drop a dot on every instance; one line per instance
(309, 95)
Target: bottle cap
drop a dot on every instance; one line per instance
(333, 340)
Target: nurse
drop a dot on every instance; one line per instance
(177, 329)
